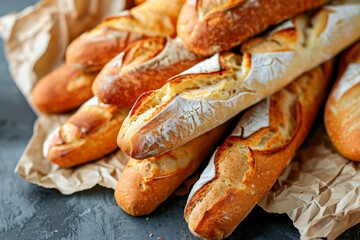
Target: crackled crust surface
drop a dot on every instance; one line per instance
(191, 104)
(144, 184)
(209, 26)
(152, 18)
(243, 168)
(88, 134)
(342, 112)
(145, 65)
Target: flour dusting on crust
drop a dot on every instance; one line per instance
(269, 72)
(209, 65)
(349, 79)
(46, 146)
(342, 17)
(267, 67)
(174, 51)
(254, 119)
(207, 175)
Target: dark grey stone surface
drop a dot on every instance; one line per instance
(30, 212)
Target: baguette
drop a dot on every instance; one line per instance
(145, 65)
(87, 135)
(342, 108)
(62, 90)
(145, 184)
(218, 88)
(141, 72)
(208, 26)
(70, 85)
(94, 49)
(250, 160)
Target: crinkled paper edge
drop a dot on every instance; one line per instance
(319, 190)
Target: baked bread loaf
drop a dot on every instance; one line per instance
(208, 26)
(62, 90)
(215, 90)
(145, 65)
(144, 184)
(152, 18)
(342, 112)
(87, 135)
(247, 164)
(70, 85)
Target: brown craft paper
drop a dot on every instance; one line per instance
(36, 38)
(318, 190)
(36, 169)
(35, 42)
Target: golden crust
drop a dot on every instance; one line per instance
(91, 51)
(209, 26)
(342, 115)
(62, 90)
(246, 168)
(85, 53)
(144, 184)
(143, 66)
(94, 49)
(87, 135)
(218, 88)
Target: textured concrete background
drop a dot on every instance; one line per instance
(31, 212)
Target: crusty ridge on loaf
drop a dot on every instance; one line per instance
(144, 184)
(208, 26)
(87, 135)
(150, 19)
(63, 89)
(145, 65)
(218, 88)
(342, 112)
(243, 169)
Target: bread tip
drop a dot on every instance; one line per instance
(124, 144)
